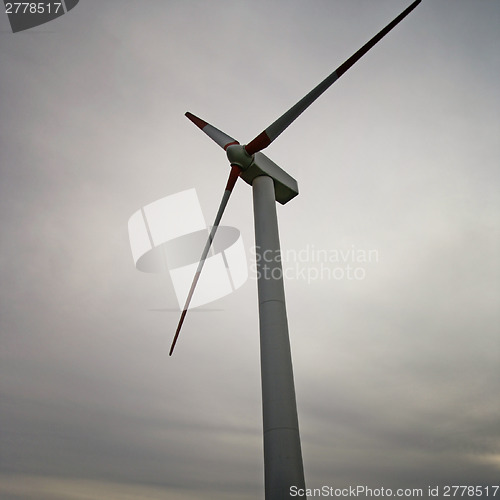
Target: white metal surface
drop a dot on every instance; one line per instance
(285, 185)
(283, 465)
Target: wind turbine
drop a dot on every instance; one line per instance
(283, 465)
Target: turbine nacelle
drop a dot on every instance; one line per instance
(252, 166)
(285, 186)
(249, 165)
(237, 155)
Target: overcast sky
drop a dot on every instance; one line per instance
(397, 374)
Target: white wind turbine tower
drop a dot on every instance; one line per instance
(283, 466)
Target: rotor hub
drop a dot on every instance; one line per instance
(237, 155)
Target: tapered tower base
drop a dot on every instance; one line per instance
(283, 466)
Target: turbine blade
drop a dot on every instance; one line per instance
(222, 139)
(275, 129)
(233, 177)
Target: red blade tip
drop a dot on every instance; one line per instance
(197, 121)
